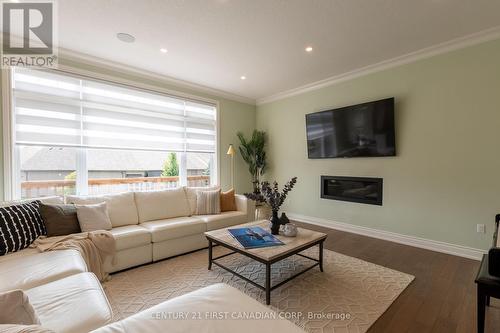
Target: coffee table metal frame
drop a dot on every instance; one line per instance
(267, 288)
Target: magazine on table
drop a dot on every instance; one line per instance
(254, 237)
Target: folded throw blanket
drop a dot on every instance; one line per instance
(94, 246)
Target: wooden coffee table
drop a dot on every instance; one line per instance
(267, 255)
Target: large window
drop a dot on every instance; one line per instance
(72, 135)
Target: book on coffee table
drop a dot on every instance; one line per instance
(254, 237)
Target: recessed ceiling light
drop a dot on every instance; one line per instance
(163, 50)
(243, 77)
(309, 49)
(124, 37)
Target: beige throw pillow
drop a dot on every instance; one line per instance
(191, 196)
(16, 309)
(121, 206)
(208, 202)
(93, 217)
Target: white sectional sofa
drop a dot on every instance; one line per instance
(148, 226)
(216, 308)
(65, 296)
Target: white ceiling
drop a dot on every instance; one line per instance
(214, 42)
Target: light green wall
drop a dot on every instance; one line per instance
(234, 116)
(446, 176)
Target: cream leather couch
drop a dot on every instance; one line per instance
(148, 226)
(154, 225)
(64, 295)
(216, 308)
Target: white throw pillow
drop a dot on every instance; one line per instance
(208, 202)
(93, 217)
(191, 196)
(121, 206)
(17, 309)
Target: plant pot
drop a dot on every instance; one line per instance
(275, 223)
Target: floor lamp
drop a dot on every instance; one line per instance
(231, 151)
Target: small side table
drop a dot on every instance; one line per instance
(487, 286)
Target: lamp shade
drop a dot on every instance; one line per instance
(231, 151)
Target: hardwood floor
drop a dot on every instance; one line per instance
(442, 298)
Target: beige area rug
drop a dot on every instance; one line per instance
(348, 296)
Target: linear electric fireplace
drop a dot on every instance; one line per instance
(353, 189)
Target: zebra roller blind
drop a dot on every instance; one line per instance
(56, 109)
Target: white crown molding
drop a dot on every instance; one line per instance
(428, 244)
(95, 61)
(454, 44)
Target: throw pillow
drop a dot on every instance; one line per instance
(93, 217)
(208, 202)
(60, 219)
(191, 196)
(227, 201)
(16, 309)
(20, 225)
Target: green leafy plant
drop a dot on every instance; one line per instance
(170, 167)
(69, 189)
(253, 153)
(271, 194)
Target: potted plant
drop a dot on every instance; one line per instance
(274, 198)
(253, 153)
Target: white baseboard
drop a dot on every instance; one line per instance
(428, 244)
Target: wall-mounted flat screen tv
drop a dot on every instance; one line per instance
(363, 130)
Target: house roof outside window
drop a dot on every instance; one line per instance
(57, 158)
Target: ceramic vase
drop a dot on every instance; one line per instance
(275, 223)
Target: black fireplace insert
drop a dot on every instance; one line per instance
(353, 189)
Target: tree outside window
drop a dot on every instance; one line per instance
(170, 167)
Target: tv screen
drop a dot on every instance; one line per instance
(355, 131)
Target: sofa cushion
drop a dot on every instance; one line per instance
(157, 205)
(174, 228)
(130, 236)
(217, 299)
(20, 225)
(32, 268)
(223, 220)
(121, 207)
(191, 196)
(74, 304)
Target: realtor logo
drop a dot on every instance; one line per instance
(28, 34)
